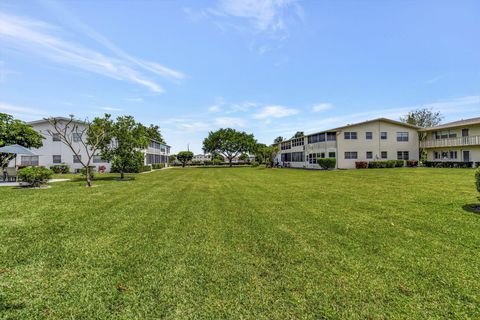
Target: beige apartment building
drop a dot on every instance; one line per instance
(378, 139)
(457, 141)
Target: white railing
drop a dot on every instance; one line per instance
(451, 142)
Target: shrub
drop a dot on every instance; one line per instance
(377, 164)
(60, 168)
(412, 163)
(196, 163)
(146, 168)
(35, 176)
(399, 163)
(83, 172)
(448, 164)
(327, 163)
(158, 165)
(254, 163)
(361, 164)
(477, 180)
(217, 162)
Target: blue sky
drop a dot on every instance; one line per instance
(266, 67)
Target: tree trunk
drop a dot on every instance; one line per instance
(183, 164)
(89, 180)
(230, 162)
(122, 175)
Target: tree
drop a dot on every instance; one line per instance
(243, 157)
(229, 142)
(81, 136)
(13, 131)
(423, 118)
(184, 157)
(278, 140)
(267, 154)
(127, 138)
(172, 158)
(153, 132)
(298, 134)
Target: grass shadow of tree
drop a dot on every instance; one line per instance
(472, 207)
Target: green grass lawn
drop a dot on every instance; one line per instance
(244, 243)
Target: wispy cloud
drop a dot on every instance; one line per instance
(217, 105)
(274, 112)
(322, 107)
(22, 112)
(138, 99)
(40, 38)
(229, 122)
(110, 109)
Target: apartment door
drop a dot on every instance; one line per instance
(465, 136)
(466, 156)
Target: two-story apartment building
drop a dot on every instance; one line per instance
(378, 139)
(55, 151)
(457, 141)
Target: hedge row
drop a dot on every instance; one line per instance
(385, 164)
(158, 165)
(450, 164)
(60, 168)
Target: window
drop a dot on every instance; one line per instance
(445, 134)
(383, 135)
(331, 154)
(314, 138)
(402, 155)
(350, 135)
(384, 155)
(57, 159)
(56, 137)
(286, 145)
(286, 157)
(77, 159)
(77, 137)
(445, 155)
(369, 155)
(331, 136)
(297, 142)
(351, 155)
(368, 135)
(29, 160)
(453, 154)
(402, 136)
(97, 159)
(297, 157)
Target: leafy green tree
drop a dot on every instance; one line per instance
(218, 157)
(229, 142)
(153, 132)
(243, 157)
(278, 140)
(127, 137)
(424, 118)
(172, 158)
(298, 134)
(267, 154)
(184, 157)
(13, 131)
(91, 137)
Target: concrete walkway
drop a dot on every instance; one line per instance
(17, 184)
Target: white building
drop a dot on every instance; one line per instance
(55, 152)
(379, 139)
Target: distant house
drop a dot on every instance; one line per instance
(202, 157)
(457, 141)
(55, 152)
(378, 139)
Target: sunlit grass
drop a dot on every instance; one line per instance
(244, 243)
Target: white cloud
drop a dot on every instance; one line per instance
(214, 108)
(24, 113)
(267, 15)
(242, 107)
(229, 122)
(275, 112)
(195, 126)
(37, 37)
(321, 107)
(110, 109)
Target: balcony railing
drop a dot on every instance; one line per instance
(451, 142)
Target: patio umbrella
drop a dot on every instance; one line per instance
(17, 149)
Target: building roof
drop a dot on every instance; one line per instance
(56, 118)
(459, 123)
(375, 120)
(360, 123)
